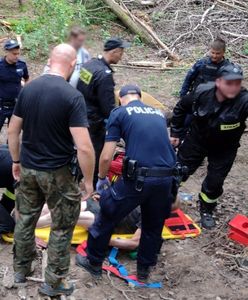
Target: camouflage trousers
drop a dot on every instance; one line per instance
(58, 189)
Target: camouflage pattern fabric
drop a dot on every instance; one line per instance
(62, 195)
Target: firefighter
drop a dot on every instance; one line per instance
(219, 113)
(205, 69)
(96, 83)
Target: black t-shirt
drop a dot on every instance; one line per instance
(49, 106)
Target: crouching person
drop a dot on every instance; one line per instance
(53, 117)
(147, 182)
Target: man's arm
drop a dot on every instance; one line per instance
(86, 156)
(180, 111)
(190, 78)
(14, 131)
(127, 244)
(106, 96)
(25, 75)
(106, 158)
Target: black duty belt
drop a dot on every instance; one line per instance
(8, 103)
(155, 172)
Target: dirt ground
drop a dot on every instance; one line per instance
(209, 267)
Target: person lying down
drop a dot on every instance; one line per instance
(89, 210)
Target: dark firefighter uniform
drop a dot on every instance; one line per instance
(96, 83)
(214, 133)
(203, 71)
(11, 76)
(147, 181)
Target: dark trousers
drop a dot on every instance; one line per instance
(118, 201)
(192, 154)
(7, 223)
(97, 137)
(5, 113)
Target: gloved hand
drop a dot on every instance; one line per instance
(102, 184)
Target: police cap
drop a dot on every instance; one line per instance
(129, 89)
(11, 44)
(114, 43)
(230, 72)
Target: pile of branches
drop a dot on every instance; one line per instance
(180, 24)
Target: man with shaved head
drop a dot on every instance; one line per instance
(53, 117)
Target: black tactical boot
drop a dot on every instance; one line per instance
(62, 289)
(143, 273)
(20, 279)
(93, 269)
(206, 212)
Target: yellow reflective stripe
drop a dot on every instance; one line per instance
(85, 76)
(206, 199)
(10, 195)
(229, 126)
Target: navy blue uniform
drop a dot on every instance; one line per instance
(11, 76)
(203, 71)
(145, 134)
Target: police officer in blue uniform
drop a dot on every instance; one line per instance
(97, 84)
(147, 181)
(219, 112)
(12, 71)
(205, 69)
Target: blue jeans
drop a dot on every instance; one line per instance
(118, 201)
(5, 113)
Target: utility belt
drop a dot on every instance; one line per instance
(132, 172)
(7, 103)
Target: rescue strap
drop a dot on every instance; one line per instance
(119, 270)
(206, 199)
(10, 195)
(155, 172)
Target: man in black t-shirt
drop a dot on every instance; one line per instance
(53, 117)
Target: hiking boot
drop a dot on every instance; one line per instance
(207, 220)
(64, 288)
(20, 279)
(93, 269)
(143, 273)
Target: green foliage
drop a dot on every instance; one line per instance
(246, 48)
(48, 24)
(137, 41)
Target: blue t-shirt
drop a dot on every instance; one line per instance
(10, 78)
(144, 131)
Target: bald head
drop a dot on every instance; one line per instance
(63, 59)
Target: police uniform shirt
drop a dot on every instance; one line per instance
(10, 78)
(96, 83)
(144, 131)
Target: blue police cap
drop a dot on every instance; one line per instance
(114, 43)
(130, 89)
(230, 72)
(11, 44)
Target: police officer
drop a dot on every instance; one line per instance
(205, 69)
(147, 181)
(219, 112)
(12, 71)
(97, 85)
(43, 167)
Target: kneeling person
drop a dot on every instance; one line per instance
(147, 181)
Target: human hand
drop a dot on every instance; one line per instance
(174, 141)
(102, 184)
(16, 171)
(88, 190)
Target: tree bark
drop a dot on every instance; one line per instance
(138, 27)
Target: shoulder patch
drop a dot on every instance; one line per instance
(85, 76)
(108, 71)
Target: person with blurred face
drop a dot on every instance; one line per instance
(97, 84)
(205, 69)
(219, 112)
(12, 71)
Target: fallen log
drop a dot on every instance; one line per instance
(148, 68)
(138, 27)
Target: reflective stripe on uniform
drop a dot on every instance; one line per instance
(206, 199)
(10, 195)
